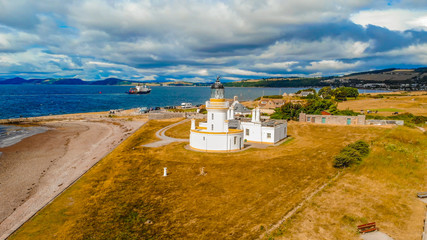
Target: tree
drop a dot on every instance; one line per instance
(306, 90)
(288, 111)
(342, 93)
(325, 92)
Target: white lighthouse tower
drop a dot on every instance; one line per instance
(215, 134)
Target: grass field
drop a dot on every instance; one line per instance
(125, 196)
(382, 190)
(416, 104)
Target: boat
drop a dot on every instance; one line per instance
(140, 89)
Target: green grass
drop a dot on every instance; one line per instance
(387, 110)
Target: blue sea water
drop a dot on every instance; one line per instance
(41, 100)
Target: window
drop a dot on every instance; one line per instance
(212, 127)
(268, 135)
(308, 119)
(203, 138)
(247, 132)
(212, 116)
(235, 140)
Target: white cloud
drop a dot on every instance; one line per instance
(414, 54)
(174, 39)
(276, 65)
(331, 65)
(393, 19)
(232, 78)
(315, 50)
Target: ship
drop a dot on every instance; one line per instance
(140, 89)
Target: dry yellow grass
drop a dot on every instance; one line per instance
(181, 130)
(382, 190)
(241, 196)
(416, 104)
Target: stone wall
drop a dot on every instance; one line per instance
(333, 119)
(385, 122)
(166, 115)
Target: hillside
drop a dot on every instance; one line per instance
(280, 82)
(391, 78)
(66, 81)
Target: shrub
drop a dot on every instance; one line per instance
(361, 146)
(347, 157)
(351, 154)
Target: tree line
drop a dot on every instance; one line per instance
(325, 100)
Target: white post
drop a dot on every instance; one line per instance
(165, 172)
(258, 113)
(193, 124)
(253, 115)
(231, 112)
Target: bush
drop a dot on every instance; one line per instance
(351, 154)
(361, 146)
(347, 157)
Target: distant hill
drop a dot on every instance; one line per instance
(391, 78)
(112, 81)
(280, 82)
(66, 81)
(16, 80)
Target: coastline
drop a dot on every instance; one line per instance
(39, 167)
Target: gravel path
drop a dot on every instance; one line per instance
(165, 140)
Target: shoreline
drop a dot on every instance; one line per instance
(39, 167)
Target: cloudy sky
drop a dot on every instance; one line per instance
(198, 40)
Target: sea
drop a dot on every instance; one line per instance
(41, 100)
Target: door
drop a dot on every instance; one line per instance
(348, 121)
(323, 120)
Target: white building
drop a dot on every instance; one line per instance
(263, 132)
(222, 133)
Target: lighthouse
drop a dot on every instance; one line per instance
(215, 134)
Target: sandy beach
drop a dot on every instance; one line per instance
(38, 168)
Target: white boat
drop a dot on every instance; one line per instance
(140, 89)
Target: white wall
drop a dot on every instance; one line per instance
(217, 121)
(259, 133)
(216, 142)
(255, 131)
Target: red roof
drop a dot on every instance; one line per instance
(325, 113)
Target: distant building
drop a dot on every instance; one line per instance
(305, 93)
(332, 119)
(267, 103)
(345, 120)
(239, 109)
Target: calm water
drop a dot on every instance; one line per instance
(40, 100)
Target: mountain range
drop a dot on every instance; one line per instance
(66, 81)
(386, 78)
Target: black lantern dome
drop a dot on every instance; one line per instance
(217, 89)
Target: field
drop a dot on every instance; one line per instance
(242, 195)
(415, 104)
(382, 190)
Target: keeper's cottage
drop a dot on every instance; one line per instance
(222, 133)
